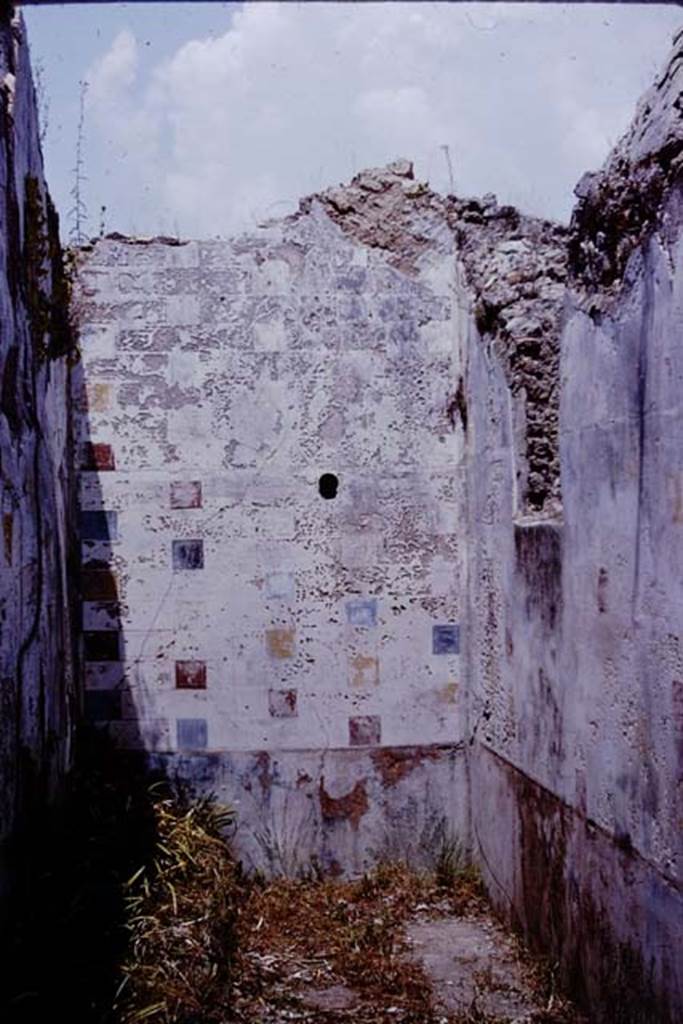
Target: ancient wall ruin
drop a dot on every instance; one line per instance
(478, 635)
(39, 699)
(574, 672)
(297, 649)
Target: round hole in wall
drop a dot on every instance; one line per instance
(327, 485)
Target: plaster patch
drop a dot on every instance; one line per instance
(352, 806)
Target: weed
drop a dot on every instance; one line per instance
(181, 912)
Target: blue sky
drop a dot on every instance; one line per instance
(204, 119)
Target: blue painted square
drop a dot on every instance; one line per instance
(362, 612)
(188, 554)
(102, 705)
(280, 584)
(192, 734)
(446, 639)
(99, 526)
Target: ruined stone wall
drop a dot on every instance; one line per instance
(574, 666)
(497, 573)
(299, 654)
(37, 680)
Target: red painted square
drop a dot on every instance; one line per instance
(190, 675)
(282, 703)
(186, 494)
(99, 585)
(365, 731)
(98, 457)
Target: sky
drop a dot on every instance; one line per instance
(203, 120)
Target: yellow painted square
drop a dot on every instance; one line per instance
(280, 642)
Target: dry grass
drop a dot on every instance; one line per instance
(295, 937)
(208, 945)
(299, 940)
(181, 912)
(540, 978)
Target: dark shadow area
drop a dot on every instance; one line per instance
(69, 935)
(64, 937)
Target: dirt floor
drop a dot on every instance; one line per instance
(391, 947)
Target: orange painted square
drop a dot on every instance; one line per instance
(280, 642)
(363, 670)
(99, 396)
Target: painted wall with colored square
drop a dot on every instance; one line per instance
(264, 461)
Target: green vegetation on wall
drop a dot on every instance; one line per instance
(46, 277)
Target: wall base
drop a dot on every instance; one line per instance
(337, 811)
(610, 919)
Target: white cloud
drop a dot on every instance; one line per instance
(127, 128)
(115, 72)
(293, 98)
(403, 118)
